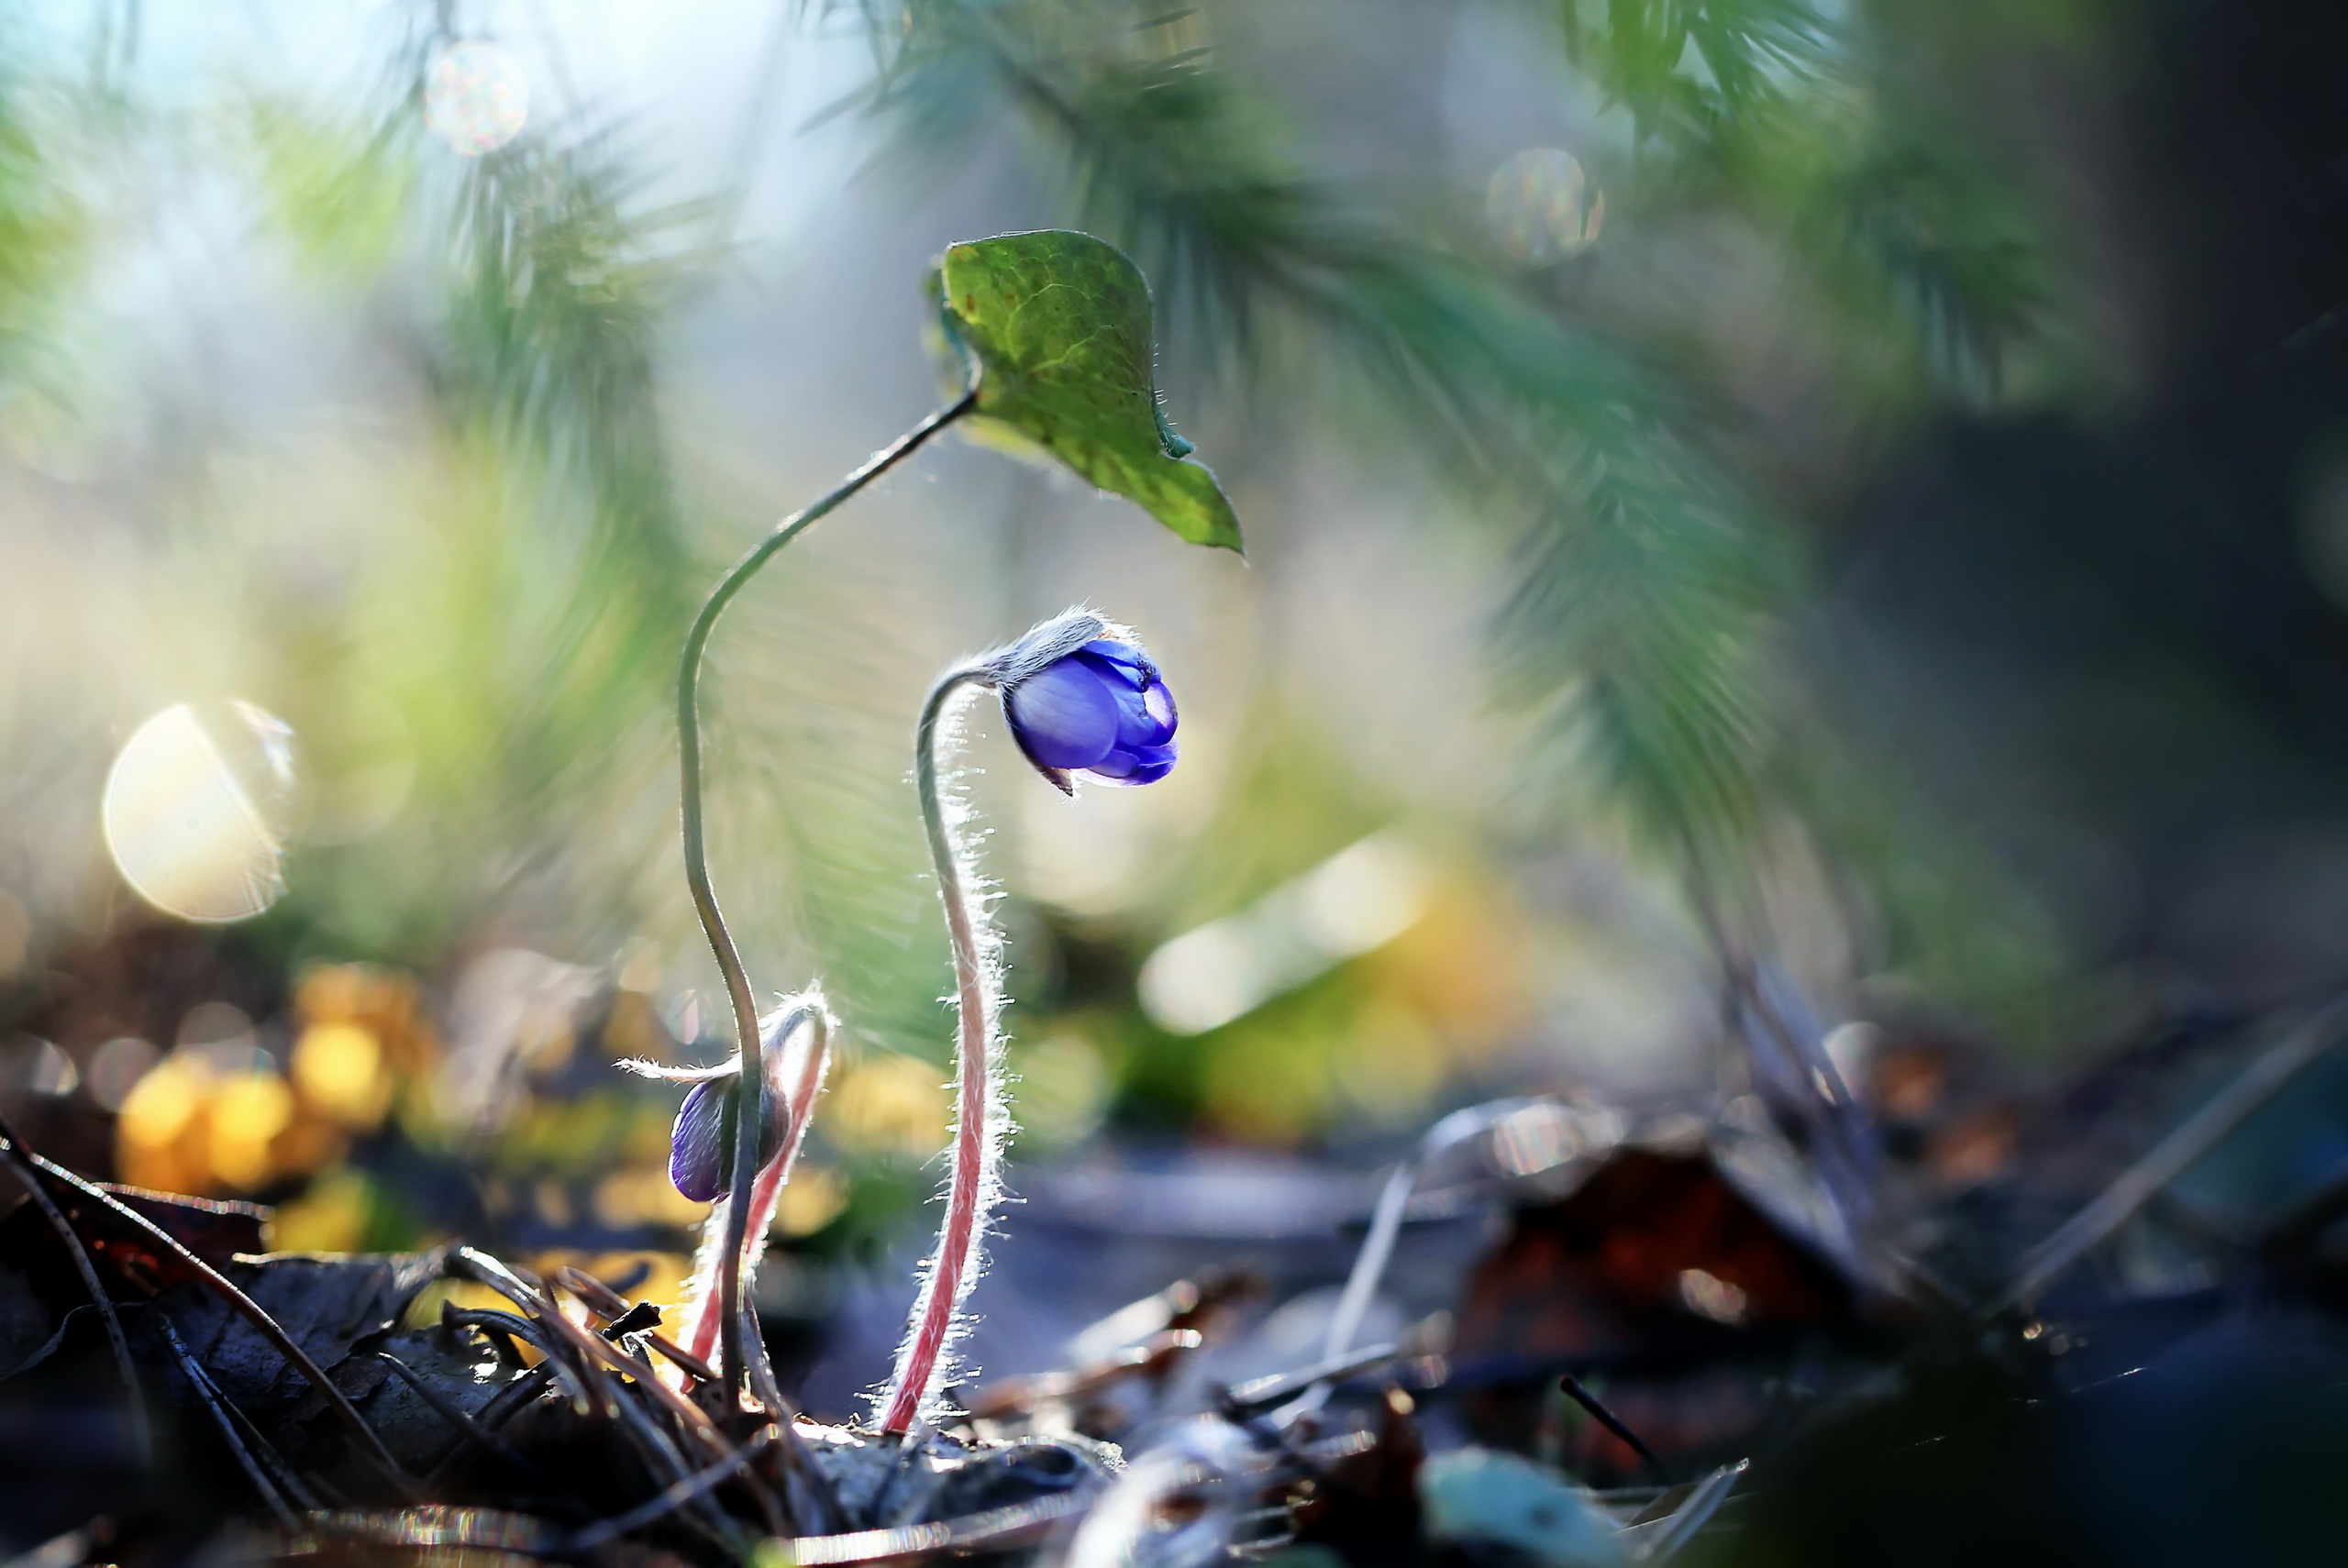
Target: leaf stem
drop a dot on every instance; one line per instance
(699, 1332)
(953, 1269)
(712, 923)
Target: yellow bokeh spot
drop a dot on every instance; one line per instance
(339, 1067)
(424, 1312)
(160, 1105)
(1063, 1090)
(810, 1200)
(1268, 1089)
(1392, 1064)
(248, 1112)
(644, 1196)
(330, 1218)
(891, 1104)
(665, 1273)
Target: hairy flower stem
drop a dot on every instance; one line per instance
(712, 923)
(699, 1332)
(970, 1186)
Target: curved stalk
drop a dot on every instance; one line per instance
(712, 923)
(699, 1331)
(978, 1130)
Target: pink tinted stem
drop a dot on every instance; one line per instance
(699, 1334)
(952, 1270)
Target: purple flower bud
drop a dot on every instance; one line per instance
(1101, 711)
(700, 1147)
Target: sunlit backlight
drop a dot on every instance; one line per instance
(1359, 900)
(1541, 207)
(643, 1195)
(116, 1068)
(196, 811)
(204, 1119)
(37, 1066)
(247, 1113)
(888, 1104)
(1539, 1137)
(339, 1068)
(475, 97)
(811, 1199)
(1708, 1296)
(1062, 1092)
(331, 1217)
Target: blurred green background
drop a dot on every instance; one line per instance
(1856, 489)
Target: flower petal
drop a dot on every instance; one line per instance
(1064, 715)
(697, 1145)
(1137, 725)
(1125, 661)
(700, 1145)
(1136, 766)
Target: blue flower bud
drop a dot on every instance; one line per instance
(1100, 710)
(700, 1146)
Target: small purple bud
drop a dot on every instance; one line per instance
(700, 1146)
(1102, 710)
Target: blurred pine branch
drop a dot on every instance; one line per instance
(1653, 559)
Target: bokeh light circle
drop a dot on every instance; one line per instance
(475, 97)
(197, 809)
(1541, 207)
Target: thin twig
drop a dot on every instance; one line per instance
(212, 1401)
(692, 1415)
(671, 1499)
(500, 1410)
(2173, 1156)
(704, 898)
(1616, 1424)
(19, 1160)
(698, 1369)
(244, 1305)
(1694, 1513)
(813, 1504)
(465, 1426)
(995, 1527)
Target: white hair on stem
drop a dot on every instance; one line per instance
(797, 1040)
(925, 1359)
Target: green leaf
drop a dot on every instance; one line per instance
(1057, 326)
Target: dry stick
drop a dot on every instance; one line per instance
(670, 1459)
(698, 1369)
(499, 1410)
(1385, 1228)
(674, 1497)
(2173, 1156)
(950, 1270)
(501, 1330)
(301, 1494)
(1680, 1528)
(712, 923)
(211, 1397)
(938, 1539)
(465, 1426)
(612, 1306)
(21, 1164)
(693, 1417)
(1574, 1390)
(244, 1305)
(498, 1275)
(811, 1504)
